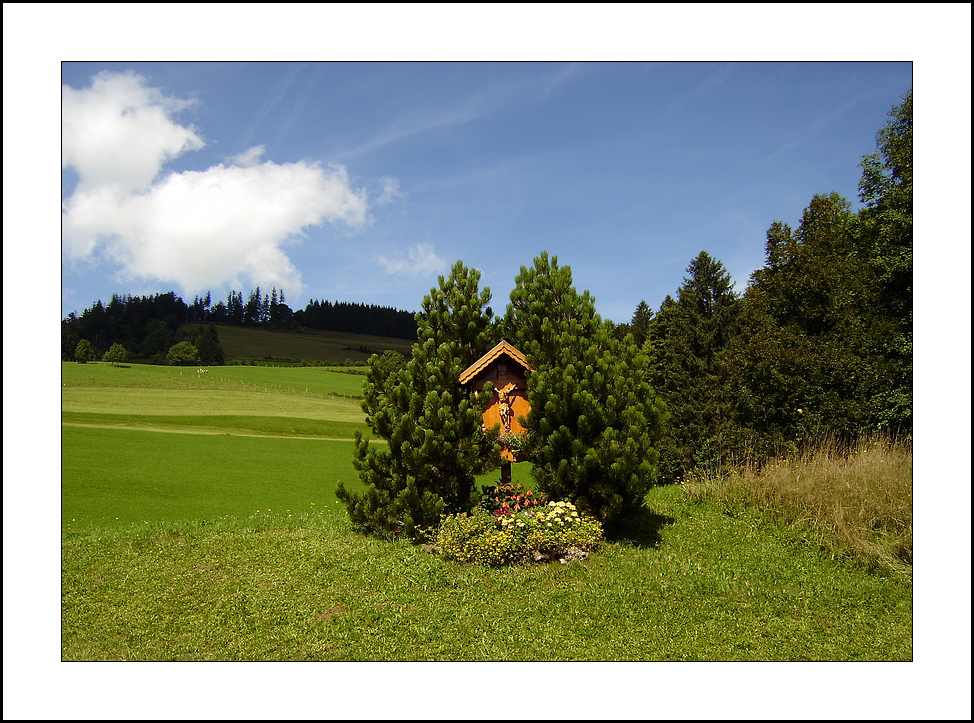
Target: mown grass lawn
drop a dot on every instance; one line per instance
(305, 587)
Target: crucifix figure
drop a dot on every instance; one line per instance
(504, 407)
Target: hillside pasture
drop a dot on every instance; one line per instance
(307, 402)
(289, 347)
(116, 478)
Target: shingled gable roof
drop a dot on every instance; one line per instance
(503, 348)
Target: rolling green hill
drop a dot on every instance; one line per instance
(241, 343)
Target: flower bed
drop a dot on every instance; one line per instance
(533, 534)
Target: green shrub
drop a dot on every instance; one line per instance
(533, 534)
(555, 529)
(84, 352)
(476, 538)
(182, 354)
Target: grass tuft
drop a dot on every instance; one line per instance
(854, 502)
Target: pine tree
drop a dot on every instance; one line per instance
(433, 425)
(594, 419)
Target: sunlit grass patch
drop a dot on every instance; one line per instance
(114, 477)
(272, 587)
(856, 503)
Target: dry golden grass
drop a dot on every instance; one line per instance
(855, 502)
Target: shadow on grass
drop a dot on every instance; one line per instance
(639, 528)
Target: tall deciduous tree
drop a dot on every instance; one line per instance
(433, 425)
(806, 363)
(116, 354)
(594, 418)
(182, 354)
(886, 242)
(84, 352)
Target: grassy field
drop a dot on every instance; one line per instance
(309, 402)
(309, 345)
(194, 529)
(286, 586)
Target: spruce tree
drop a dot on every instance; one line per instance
(642, 317)
(69, 337)
(689, 368)
(207, 343)
(594, 420)
(433, 425)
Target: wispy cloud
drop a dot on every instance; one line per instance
(390, 192)
(811, 131)
(420, 259)
(494, 99)
(223, 225)
(250, 157)
(719, 75)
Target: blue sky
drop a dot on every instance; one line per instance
(363, 181)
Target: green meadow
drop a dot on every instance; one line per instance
(199, 522)
(143, 444)
(246, 344)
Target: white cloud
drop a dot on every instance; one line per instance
(226, 225)
(250, 157)
(212, 227)
(120, 133)
(421, 260)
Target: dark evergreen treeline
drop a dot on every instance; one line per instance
(819, 344)
(148, 326)
(358, 319)
(267, 311)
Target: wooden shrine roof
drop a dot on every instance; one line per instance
(501, 349)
